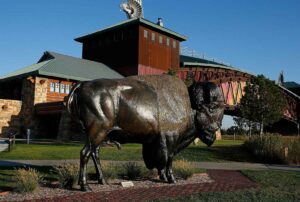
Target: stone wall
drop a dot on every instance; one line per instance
(10, 119)
(68, 129)
(40, 90)
(34, 91)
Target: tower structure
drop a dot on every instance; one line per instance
(135, 46)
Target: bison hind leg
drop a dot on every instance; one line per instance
(96, 160)
(84, 157)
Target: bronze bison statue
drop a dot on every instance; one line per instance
(157, 111)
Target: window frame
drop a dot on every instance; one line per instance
(145, 34)
(62, 88)
(57, 88)
(168, 41)
(174, 44)
(52, 87)
(68, 88)
(161, 40)
(153, 36)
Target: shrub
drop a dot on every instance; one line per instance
(271, 148)
(110, 171)
(183, 169)
(67, 174)
(27, 179)
(146, 173)
(293, 156)
(131, 171)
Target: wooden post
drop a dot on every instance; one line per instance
(9, 143)
(286, 152)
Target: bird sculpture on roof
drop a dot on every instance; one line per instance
(133, 8)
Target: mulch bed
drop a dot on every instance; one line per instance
(213, 181)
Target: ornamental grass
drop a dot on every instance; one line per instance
(275, 148)
(27, 180)
(67, 175)
(183, 169)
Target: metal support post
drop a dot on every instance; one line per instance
(28, 132)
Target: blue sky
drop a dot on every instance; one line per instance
(259, 36)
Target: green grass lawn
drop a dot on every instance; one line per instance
(273, 186)
(224, 150)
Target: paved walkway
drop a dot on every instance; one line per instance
(204, 165)
(225, 175)
(3, 145)
(224, 180)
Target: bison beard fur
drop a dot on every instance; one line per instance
(157, 111)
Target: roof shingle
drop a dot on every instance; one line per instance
(67, 67)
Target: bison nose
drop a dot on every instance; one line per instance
(214, 127)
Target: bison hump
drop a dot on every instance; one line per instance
(174, 108)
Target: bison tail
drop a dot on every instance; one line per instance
(71, 101)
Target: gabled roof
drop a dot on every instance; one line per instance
(130, 22)
(289, 92)
(187, 61)
(291, 85)
(63, 66)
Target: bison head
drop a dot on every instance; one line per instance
(208, 101)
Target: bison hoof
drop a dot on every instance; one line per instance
(102, 181)
(172, 180)
(163, 178)
(85, 188)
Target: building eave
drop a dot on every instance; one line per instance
(141, 21)
(187, 64)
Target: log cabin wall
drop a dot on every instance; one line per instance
(57, 90)
(157, 50)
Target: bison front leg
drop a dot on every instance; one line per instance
(169, 171)
(84, 157)
(162, 175)
(96, 160)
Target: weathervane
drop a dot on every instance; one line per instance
(133, 8)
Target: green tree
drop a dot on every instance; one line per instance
(171, 72)
(190, 78)
(263, 102)
(245, 125)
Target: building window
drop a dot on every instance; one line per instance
(160, 39)
(168, 42)
(57, 87)
(62, 88)
(153, 36)
(174, 44)
(67, 88)
(51, 87)
(145, 34)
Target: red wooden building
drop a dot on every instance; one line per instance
(136, 46)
